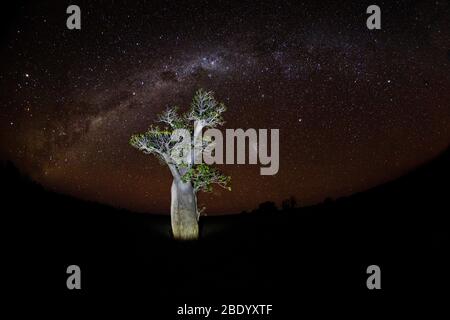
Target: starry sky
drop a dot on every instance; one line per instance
(355, 107)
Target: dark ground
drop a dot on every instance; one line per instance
(286, 258)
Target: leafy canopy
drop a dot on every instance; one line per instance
(204, 112)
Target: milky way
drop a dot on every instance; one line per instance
(355, 107)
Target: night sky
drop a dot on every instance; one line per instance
(355, 107)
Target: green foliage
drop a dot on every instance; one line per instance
(154, 140)
(205, 111)
(202, 176)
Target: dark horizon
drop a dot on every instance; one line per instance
(321, 251)
(433, 168)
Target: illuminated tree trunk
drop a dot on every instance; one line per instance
(184, 211)
(205, 112)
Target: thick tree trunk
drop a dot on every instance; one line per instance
(184, 211)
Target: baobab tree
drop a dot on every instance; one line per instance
(179, 152)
